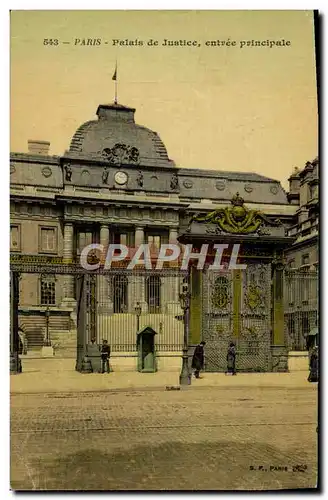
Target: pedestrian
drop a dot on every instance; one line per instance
(198, 359)
(105, 355)
(314, 366)
(231, 359)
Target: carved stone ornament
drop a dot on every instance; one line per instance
(213, 230)
(220, 185)
(188, 184)
(46, 172)
(236, 219)
(248, 188)
(68, 172)
(105, 175)
(174, 182)
(140, 179)
(121, 154)
(85, 176)
(274, 189)
(12, 168)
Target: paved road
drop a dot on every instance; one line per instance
(201, 438)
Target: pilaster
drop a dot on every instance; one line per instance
(195, 327)
(69, 285)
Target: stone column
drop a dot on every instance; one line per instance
(69, 286)
(279, 350)
(171, 282)
(105, 304)
(136, 289)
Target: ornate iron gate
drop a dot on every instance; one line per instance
(217, 317)
(237, 308)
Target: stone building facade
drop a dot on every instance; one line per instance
(302, 258)
(304, 193)
(117, 184)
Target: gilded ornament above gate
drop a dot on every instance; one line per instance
(237, 218)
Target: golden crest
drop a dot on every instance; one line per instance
(236, 218)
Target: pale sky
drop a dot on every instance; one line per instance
(229, 108)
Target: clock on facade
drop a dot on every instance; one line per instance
(121, 178)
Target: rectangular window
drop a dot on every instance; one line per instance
(123, 239)
(48, 239)
(154, 240)
(15, 238)
(305, 288)
(84, 238)
(305, 259)
(313, 192)
(126, 238)
(48, 291)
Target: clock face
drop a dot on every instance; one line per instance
(121, 178)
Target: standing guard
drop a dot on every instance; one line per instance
(105, 355)
(231, 359)
(198, 359)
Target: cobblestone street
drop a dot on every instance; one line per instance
(215, 438)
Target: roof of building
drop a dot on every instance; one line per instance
(115, 136)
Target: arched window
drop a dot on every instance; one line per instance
(120, 294)
(153, 294)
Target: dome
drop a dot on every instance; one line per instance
(116, 138)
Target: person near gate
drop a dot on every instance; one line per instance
(105, 355)
(231, 359)
(314, 365)
(197, 363)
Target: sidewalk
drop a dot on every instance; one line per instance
(59, 375)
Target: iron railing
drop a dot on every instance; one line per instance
(301, 296)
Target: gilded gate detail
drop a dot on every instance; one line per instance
(255, 339)
(217, 316)
(237, 307)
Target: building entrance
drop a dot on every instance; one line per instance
(237, 308)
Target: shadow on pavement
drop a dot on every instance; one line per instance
(171, 466)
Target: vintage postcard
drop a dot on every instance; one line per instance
(164, 215)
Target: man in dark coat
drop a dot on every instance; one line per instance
(231, 359)
(198, 359)
(314, 366)
(105, 354)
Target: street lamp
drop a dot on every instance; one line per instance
(47, 315)
(138, 314)
(15, 362)
(184, 297)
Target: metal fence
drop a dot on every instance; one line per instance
(301, 292)
(117, 303)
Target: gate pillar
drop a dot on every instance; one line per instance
(279, 350)
(82, 323)
(195, 325)
(236, 302)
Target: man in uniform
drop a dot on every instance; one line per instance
(198, 359)
(105, 355)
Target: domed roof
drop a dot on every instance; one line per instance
(116, 138)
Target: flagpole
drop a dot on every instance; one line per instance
(116, 83)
